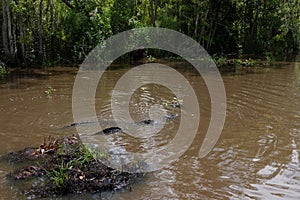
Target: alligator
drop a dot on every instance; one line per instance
(79, 123)
(146, 122)
(116, 129)
(110, 130)
(143, 122)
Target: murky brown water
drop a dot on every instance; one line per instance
(256, 157)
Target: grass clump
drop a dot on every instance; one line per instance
(66, 166)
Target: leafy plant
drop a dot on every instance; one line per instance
(219, 60)
(269, 58)
(60, 176)
(86, 157)
(3, 70)
(174, 103)
(49, 90)
(60, 150)
(151, 58)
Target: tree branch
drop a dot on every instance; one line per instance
(68, 4)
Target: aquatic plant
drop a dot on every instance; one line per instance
(49, 90)
(60, 177)
(85, 157)
(174, 103)
(151, 58)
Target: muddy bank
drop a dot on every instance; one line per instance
(64, 166)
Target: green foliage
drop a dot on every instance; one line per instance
(151, 58)
(269, 58)
(219, 60)
(222, 27)
(3, 70)
(60, 177)
(59, 174)
(49, 90)
(60, 150)
(85, 157)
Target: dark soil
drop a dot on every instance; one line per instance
(65, 166)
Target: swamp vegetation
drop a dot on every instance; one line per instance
(52, 32)
(64, 166)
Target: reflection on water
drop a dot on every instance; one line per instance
(257, 156)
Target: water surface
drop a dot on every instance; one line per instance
(256, 157)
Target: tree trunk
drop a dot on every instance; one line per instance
(8, 33)
(9, 30)
(4, 29)
(21, 29)
(51, 47)
(196, 21)
(153, 11)
(68, 4)
(212, 35)
(204, 19)
(41, 56)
